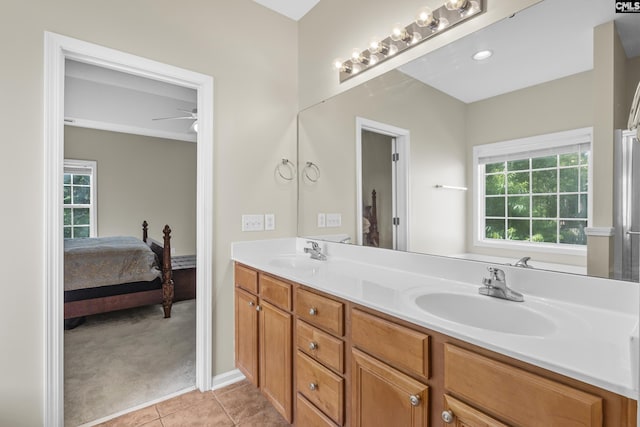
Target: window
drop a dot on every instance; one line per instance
(534, 191)
(79, 198)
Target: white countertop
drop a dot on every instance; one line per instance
(594, 320)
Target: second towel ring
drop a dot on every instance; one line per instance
(313, 169)
(286, 170)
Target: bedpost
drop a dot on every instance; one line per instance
(167, 282)
(375, 236)
(145, 230)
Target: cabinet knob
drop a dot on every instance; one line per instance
(447, 417)
(313, 386)
(258, 308)
(313, 311)
(313, 345)
(251, 303)
(415, 400)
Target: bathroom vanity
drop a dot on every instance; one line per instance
(377, 338)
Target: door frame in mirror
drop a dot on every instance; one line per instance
(400, 179)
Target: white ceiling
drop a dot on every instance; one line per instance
(294, 9)
(549, 40)
(101, 98)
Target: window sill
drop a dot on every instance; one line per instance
(575, 250)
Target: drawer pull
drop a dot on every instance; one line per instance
(258, 308)
(313, 386)
(447, 417)
(313, 345)
(313, 311)
(251, 303)
(415, 400)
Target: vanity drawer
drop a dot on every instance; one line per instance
(516, 395)
(401, 347)
(320, 311)
(322, 387)
(275, 291)
(320, 345)
(246, 278)
(308, 415)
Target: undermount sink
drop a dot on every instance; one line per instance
(486, 313)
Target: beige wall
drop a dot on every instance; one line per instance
(437, 153)
(255, 97)
(140, 178)
(334, 27)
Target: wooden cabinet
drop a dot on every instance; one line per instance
(355, 367)
(264, 335)
(275, 357)
(514, 395)
(246, 344)
(384, 396)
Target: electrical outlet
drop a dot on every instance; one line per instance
(252, 222)
(322, 220)
(269, 221)
(334, 220)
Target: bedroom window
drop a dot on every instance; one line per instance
(79, 198)
(534, 192)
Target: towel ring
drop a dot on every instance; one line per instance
(286, 170)
(315, 172)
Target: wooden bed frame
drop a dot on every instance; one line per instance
(372, 238)
(162, 294)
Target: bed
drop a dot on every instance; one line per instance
(106, 274)
(371, 236)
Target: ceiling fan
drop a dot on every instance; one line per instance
(190, 115)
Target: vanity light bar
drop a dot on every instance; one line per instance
(427, 24)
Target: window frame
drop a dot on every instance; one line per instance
(520, 145)
(92, 169)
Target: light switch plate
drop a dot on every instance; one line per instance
(334, 220)
(252, 222)
(322, 220)
(269, 221)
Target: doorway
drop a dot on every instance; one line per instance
(57, 50)
(382, 170)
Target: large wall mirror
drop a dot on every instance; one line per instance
(421, 158)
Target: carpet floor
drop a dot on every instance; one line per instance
(119, 360)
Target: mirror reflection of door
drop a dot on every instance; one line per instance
(383, 190)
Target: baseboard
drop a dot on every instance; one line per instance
(227, 378)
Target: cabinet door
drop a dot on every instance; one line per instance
(460, 415)
(383, 396)
(247, 335)
(276, 330)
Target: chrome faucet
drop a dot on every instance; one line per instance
(522, 262)
(315, 251)
(496, 286)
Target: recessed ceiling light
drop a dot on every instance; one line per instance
(482, 55)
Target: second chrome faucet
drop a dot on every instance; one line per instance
(496, 286)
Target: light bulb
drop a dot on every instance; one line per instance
(377, 47)
(425, 17)
(337, 64)
(459, 5)
(355, 55)
(195, 126)
(399, 33)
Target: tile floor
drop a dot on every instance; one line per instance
(239, 404)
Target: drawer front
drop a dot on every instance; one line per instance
(323, 347)
(308, 415)
(401, 347)
(520, 397)
(246, 278)
(464, 415)
(320, 311)
(322, 387)
(275, 291)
